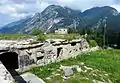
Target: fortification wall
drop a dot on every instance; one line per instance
(37, 53)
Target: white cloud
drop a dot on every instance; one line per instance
(65, 1)
(21, 8)
(116, 6)
(85, 4)
(3, 1)
(7, 9)
(32, 6)
(17, 15)
(41, 5)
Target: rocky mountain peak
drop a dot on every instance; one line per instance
(37, 14)
(53, 7)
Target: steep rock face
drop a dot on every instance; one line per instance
(53, 17)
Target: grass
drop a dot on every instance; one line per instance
(69, 37)
(14, 36)
(40, 36)
(104, 60)
(62, 36)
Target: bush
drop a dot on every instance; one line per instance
(92, 43)
(41, 37)
(36, 31)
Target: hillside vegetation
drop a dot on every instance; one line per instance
(39, 36)
(105, 61)
(14, 36)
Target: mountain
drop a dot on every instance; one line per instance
(99, 16)
(16, 26)
(55, 16)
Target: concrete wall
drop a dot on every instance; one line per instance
(5, 76)
(36, 53)
(51, 52)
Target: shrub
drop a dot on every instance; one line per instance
(41, 37)
(36, 31)
(92, 43)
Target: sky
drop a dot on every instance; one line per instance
(11, 10)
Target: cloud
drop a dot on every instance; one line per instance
(16, 9)
(22, 1)
(81, 4)
(21, 8)
(116, 6)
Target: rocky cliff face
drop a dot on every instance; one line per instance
(51, 18)
(54, 17)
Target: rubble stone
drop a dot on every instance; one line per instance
(67, 70)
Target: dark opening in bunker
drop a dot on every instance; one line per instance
(40, 58)
(73, 43)
(59, 50)
(9, 60)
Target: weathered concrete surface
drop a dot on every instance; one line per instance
(31, 78)
(5, 76)
(32, 52)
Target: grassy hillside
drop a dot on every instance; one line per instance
(62, 36)
(39, 36)
(106, 61)
(14, 36)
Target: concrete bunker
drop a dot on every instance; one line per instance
(9, 60)
(30, 53)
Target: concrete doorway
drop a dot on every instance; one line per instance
(59, 52)
(9, 60)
